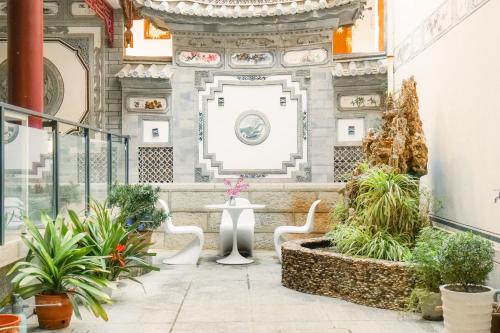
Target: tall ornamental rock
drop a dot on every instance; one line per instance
(401, 141)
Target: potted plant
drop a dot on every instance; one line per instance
(137, 205)
(235, 191)
(466, 260)
(60, 274)
(10, 323)
(120, 249)
(426, 297)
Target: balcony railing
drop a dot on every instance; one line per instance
(53, 167)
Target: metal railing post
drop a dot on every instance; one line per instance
(86, 133)
(2, 175)
(126, 159)
(55, 166)
(110, 161)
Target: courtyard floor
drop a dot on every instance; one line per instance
(214, 298)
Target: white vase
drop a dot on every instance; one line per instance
(467, 312)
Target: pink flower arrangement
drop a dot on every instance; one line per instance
(234, 191)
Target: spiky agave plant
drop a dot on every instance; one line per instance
(57, 264)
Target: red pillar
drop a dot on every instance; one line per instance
(25, 56)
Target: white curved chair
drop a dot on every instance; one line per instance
(305, 229)
(245, 232)
(190, 254)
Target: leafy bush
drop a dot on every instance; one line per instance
(56, 264)
(120, 249)
(137, 205)
(425, 256)
(466, 260)
(388, 201)
(357, 240)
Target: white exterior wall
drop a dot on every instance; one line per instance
(458, 83)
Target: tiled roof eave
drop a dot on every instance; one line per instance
(242, 8)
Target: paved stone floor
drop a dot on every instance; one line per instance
(214, 298)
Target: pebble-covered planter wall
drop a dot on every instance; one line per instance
(379, 283)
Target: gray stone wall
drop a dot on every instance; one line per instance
(286, 204)
(321, 125)
(113, 63)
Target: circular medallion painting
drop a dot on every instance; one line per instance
(252, 127)
(53, 85)
(10, 132)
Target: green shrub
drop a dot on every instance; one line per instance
(466, 260)
(425, 256)
(137, 205)
(355, 240)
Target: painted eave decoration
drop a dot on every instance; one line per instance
(153, 71)
(359, 67)
(241, 8)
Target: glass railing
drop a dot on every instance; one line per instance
(49, 165)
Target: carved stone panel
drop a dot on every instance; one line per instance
(53, 84)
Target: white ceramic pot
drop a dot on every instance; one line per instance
(467, 312)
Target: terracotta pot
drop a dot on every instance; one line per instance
(10, 323)
(55, 312)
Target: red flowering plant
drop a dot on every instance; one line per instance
(235, 190)
(120, 248)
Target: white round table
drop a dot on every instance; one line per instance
(235, 258)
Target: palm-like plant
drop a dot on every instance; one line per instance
(119, 248)
(56, 264)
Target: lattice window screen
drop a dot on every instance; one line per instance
(98, 166)
(156, 164)
(345, 159)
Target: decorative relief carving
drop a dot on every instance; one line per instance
(449, 15)
(80, 8)
(53, 84)
(199, 58)
(142, 104)
(305, 57)
(249, 59)
(49, 8)
(57, 30)
(345, 160)
(251, 77)
(199, 77)
(81, 45)
(252, 127)
(357, 102)
(98, 77)
(253, 42)
(204, 42)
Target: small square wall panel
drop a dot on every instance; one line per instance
(155, 131)
(350, 129)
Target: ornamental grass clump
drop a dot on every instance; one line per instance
(465, 261)
(382, 215)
